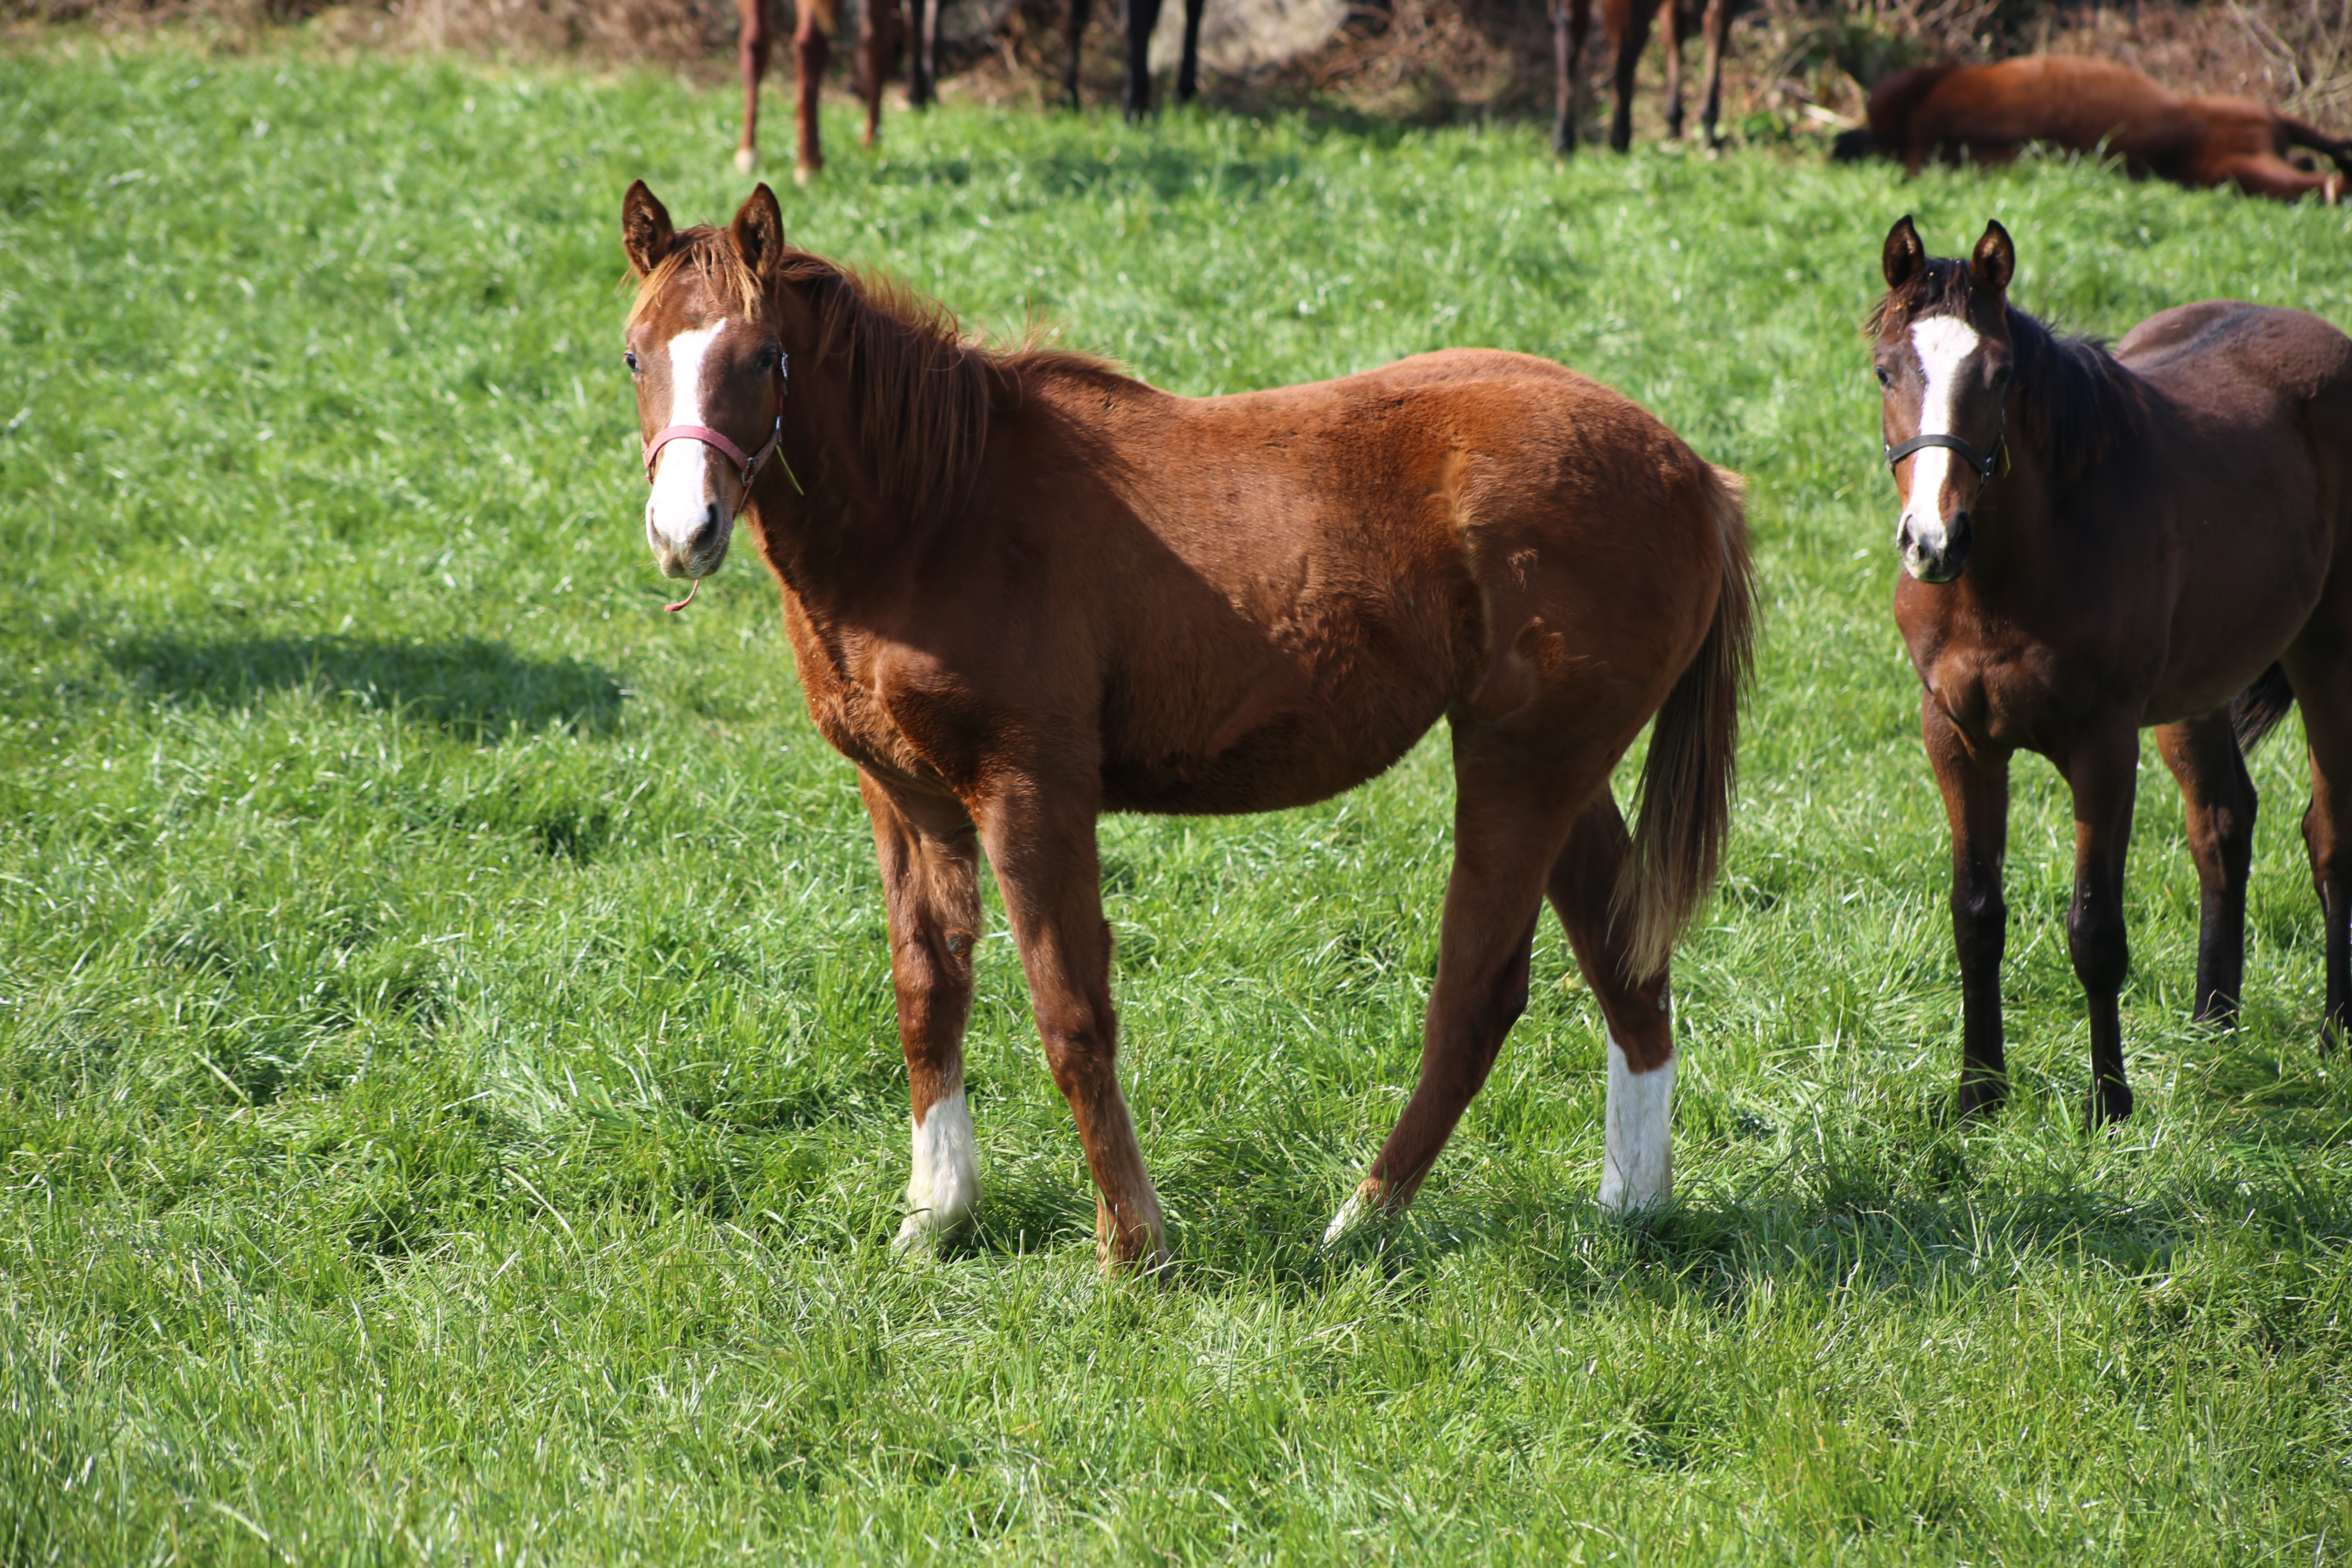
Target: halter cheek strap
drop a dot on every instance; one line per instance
(750, 466)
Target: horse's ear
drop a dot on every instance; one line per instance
(760, 231)
(646, 232)
(1995, 261)
(1904, 255)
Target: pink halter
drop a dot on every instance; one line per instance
(750, 466)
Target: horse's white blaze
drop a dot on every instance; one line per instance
(683, 492)
(945, 1187)
(1638, 1168)
(1944, 346)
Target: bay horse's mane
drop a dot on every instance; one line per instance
(2074, 400)
(925, 389)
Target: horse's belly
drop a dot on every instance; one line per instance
(1294, 758)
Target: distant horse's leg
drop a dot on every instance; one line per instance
(2101, 769)
(878, 43)
(1975, 787)
(1078, 35)
(930, 859)
(2262, 175)
(2204, 758)
(1142, 16)
(1637, 1166)
(1571, 24)
(1672, 10)
(1188, 69)
(1509, 824)
(1047, 869)
(1716, 26)
(922, 57)
(812, 50)
(752, 51)
(1627, 25)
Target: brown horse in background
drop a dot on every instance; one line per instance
(884, 29)
(2094, 543)
(1987, 113)
(1024, 589)
(1625, 24)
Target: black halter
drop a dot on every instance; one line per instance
(1982, 462)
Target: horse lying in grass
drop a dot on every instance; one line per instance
(1024, 589)
(879, 40)
(2094, 544)
(1625, 24)
(1987, 113)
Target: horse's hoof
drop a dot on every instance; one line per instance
(1351, 1213)
(746, 159)
(803, 174)
(1978, 1099)
(2107, 1106)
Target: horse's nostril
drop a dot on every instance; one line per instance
(1902, 540)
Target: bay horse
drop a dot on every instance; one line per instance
(1024, 589)
(2094, 544)
(1625, 24)
(1987, 113)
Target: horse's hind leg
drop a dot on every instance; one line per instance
(1672, 11)
(1041, 842)
(2204, 758)
(1509, 823)
(1637, 1167)
(1717, 29)
(751, 49)
(930, 860)
(2324, 690)
(880, 46)
(1628, 24)
(812, 50)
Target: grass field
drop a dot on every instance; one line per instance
(450, 1102)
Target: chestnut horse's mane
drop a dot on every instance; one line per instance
(2076, 401)
(924, 388)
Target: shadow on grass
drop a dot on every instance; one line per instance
(470, 687)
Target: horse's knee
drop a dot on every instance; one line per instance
(1980, 926)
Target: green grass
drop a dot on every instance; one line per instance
(449, 1105)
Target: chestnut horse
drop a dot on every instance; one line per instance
(812, 32)
(2094, 544)
(1024, 589)
(1985, 114)
(877, 54)
(1626, 25)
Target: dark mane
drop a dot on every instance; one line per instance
(2075, 404)
(924, 388)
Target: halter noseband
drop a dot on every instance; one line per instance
(703, 433)
(1982, 462)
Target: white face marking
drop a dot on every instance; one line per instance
(684, 494)
(1638, 1168)
(945, 1187)
(1944, 346)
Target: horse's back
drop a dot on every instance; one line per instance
(2212, 354)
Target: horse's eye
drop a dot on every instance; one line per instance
(1886, 377)
(630, 359)
(766, 361)
(2000, 378)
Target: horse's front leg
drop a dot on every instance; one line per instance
(1672, 11)
(2211, 772)
(1041, 840)
(1975, 786)
(1571, 23)
(1078, 36)
(1628, 24)
(922, 58)
(1188, 66)
(930, 859)
(1717, 29)
(1142, 17)
(879, 46)
(2101, 770)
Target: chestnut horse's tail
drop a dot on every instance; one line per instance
(1685, 802)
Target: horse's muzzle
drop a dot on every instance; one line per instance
(1938, 556)
(703, 552)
